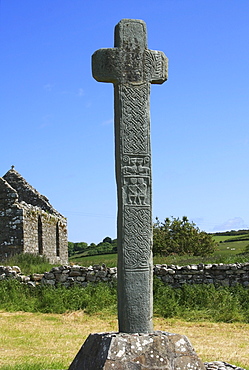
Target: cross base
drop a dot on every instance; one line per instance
(121, 351)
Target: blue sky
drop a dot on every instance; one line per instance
(57, 121)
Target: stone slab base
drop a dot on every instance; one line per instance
(120, 351)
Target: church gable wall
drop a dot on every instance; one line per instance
(11, 221)
(26, 192)
(28, 222)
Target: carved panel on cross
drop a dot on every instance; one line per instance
(134, 120)
(136, 187)
(137, 237)
(154, 62)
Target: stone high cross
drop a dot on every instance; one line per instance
(132, 67)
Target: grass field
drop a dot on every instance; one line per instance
(31, 341)
(109, 259)
(42, 341)
(228, 252)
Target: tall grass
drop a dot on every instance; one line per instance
(202, 302)
(29, 263)
(16, 296)
(190, 302)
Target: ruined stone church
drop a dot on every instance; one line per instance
(28, 222)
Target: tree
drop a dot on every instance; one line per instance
(80, 247)
(70, 249)
(107, 239)
(179, 236)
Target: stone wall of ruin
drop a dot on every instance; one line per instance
(29, 223)
(11, 221)
(26, 192)
(53, 235)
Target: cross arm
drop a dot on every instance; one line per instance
(104, 65)
(155, 66)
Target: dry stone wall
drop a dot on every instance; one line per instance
(175, 276)
(217, 274)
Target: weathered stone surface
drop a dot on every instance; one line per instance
(28, 222)
(221, 365)
(218, 365)
(218, 274)
(132, 67)
(171, 276)
(122, 351)
(36, 277)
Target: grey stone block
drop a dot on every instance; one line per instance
(122, 351)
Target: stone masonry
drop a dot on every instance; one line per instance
(28, 222)
(132, 68)
(172, 275)
(218, 274)
(175, 276)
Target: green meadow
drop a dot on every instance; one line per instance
(42, 328)
(230, 249)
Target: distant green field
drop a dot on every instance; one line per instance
(228, 252)
(221, 238)
(109, 260)
(234, 238)
(231, 248)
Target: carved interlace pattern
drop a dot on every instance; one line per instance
(136, 173)
(137, 237)
(153, 65)
(131, 67)
(134, 119)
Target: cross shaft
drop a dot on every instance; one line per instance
(132, 67)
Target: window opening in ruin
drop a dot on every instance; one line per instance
(57, 240)
(40, 243)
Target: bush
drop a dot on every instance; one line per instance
(179, 236)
